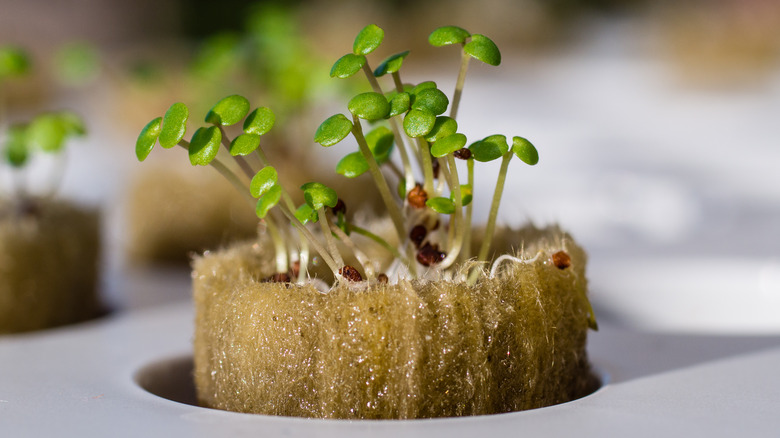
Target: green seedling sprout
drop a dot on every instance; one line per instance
(409, 119)
(46, 133)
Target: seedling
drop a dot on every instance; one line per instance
(421, 190)
(45, 133)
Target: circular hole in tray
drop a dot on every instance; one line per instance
(171, 379)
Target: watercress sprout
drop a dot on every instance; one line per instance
(409, 119)
(45, 133)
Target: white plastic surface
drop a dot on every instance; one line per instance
(81, 381)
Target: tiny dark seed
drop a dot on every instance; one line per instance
(561, 260)
(340, 207)
(429, 255)
(417, 197)
(350, 273)
(382, 278)
(417, 235)
(463, 154)
(436, 167)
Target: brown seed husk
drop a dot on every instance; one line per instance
(406, 350)
(48, 266)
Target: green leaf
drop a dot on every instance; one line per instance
(447, 35)
(13, 62)
(174, 125)
(391, 64)
(72, 123)
(399, 104)
(422, 86)
(228, 111)
(369, 106)
(380, 142)
(244, 144)
(204, 145)
(259, 121)
(444, 127)
(441, 205)
(263, 181)
(368, 39)
(484, 49)
(347, 66)
(352, 165)
(448, 145)
(16, 147)
(432, 99)
(419, 122)
(48, 132)
(333, 130)
(489, 148)
(306, 214)
(268, 201)
(319, 195)
(147, 138)
(525, 150)
(466, 194)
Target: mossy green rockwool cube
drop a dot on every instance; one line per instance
(48, 265)
(408, 350)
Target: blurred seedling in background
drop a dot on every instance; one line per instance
(269, 57)
(46, 133)
(408, 118)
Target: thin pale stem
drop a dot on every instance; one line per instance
(325, 224)
(303, 259)
(491, 223)
(372, 79)
(279, 247)
(454, 250)
(379, 180)
(312, 240)
(464, 65)
(364, 261)
(399, 86)
(304, 252)
(399, 140)
(242, 163)
(427, 165)
(227, 174)
(384, 191)
(444, 177)
(394, 125)
(466, 252)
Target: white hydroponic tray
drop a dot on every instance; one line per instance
(86, 381)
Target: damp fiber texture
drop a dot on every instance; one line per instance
(406, 350)
(48, 266)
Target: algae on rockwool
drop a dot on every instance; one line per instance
(414, 349)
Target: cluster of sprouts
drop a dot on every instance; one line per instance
(430, 207)
(45, 133)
